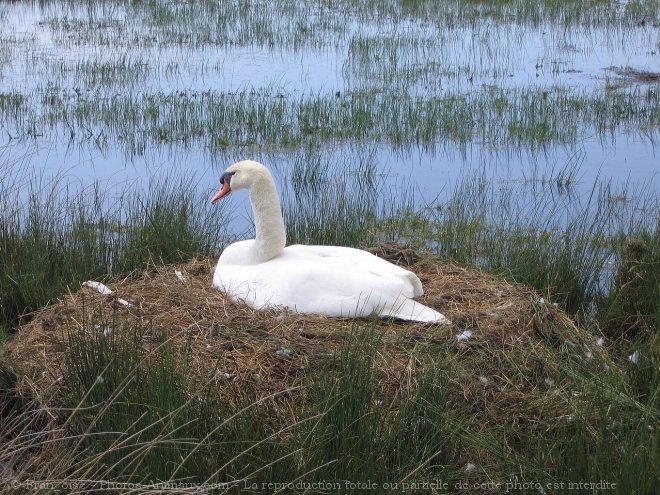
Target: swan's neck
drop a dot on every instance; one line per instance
(270, 233)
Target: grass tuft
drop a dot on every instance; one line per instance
(57, 240)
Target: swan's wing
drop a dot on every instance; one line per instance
(352, 292)
(339, 289)
(350, 258)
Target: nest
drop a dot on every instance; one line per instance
(503, 340)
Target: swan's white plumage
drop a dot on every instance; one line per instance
(330, 280)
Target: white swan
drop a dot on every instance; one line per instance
(330, 280)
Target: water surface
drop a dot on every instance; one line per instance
(62, 58)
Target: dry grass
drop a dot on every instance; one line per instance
(496, 381)
(495, 373)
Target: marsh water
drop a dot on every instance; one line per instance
(552, 97)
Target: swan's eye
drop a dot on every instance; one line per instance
(227, 177)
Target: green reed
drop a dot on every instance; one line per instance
(53, 239)
(128, 415)
(135, 420)
(516, 119)
(545, 241)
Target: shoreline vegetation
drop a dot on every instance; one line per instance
(548, 379)
(600, 427)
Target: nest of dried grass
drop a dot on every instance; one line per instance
(496, 374)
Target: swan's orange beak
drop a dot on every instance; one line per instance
(224, 191)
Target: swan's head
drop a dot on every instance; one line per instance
(241, 175)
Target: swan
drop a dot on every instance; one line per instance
(328, 280)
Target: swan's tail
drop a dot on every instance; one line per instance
(407, 309)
